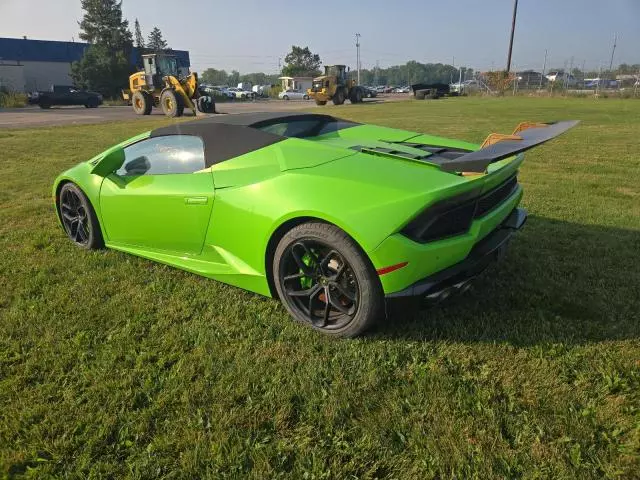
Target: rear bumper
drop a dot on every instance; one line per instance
(459, 276)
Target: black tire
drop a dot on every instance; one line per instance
(171, 103)
(141, 103)
(305, 97)
(326, 281)
(206, 104)
(338, 98)
(44, 104)
(92, 102)
(78, 218)
(321, 102)
(421, 94)
(285, 97)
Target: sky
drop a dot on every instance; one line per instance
(252, 35)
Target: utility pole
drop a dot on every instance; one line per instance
(358, 55)
(375, 79)
(544, 67)
(609, 73)
(513, 29)
(570, 75)
(615, 40)
(279, 67)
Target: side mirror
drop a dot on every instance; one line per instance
(111, 162)
(138, 166)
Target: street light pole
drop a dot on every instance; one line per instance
(513, 29)
(358, 55)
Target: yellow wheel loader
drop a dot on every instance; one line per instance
(335, 86)
(160, 85)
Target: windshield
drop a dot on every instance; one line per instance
(333, 70)
(167, 66)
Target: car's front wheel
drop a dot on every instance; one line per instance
(325, 280)
(78, 217)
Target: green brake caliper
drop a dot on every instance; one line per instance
(306, 282)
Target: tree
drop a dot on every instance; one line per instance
(155, 41)
(100, 71)
(103, 24)
(138, 35)
(233, 78)
(105, 66)
(212, 76)
(500, 80)
(301, 62)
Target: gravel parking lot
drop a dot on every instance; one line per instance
(30, 117)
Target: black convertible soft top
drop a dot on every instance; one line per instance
(228, 136)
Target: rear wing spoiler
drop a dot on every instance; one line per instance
(497, 146)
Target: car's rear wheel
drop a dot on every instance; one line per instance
(285, 97)
(305, 97)
(78, 217)
(325, 280)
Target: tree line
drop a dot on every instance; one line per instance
(301, 62)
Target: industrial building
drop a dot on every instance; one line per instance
(27, 65)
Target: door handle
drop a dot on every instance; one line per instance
(196, 200)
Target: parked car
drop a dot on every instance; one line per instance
(293, 95)
(261, 90)
(240, 93)
(562, 77)
(401, 90)
(370, 92)
(464, 87)
(408, 227)
(380, 89)
(216, 92)
(65, 95)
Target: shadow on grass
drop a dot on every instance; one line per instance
(560, 283)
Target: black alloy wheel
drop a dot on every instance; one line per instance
(320, 283)
(325, 280)
(78, 218)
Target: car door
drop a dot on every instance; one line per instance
(161, 197)
(78, 97)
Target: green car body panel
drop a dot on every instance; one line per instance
(220, 221)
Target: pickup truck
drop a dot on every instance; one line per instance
(65, 95)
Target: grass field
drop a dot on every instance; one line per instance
(115, 367)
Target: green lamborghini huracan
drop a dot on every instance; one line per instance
(328, 215)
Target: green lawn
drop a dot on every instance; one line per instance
(115, 367)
